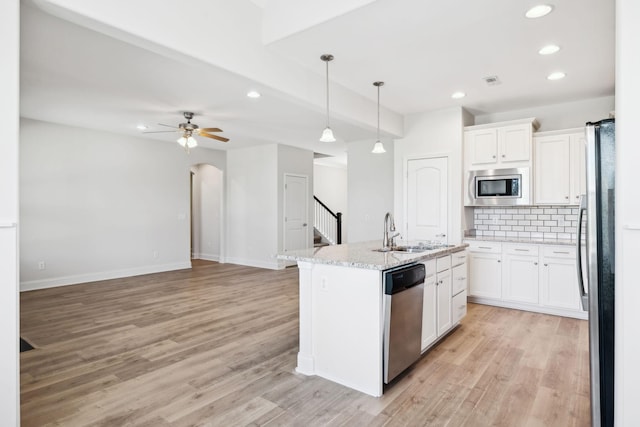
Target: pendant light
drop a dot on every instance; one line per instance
(378, 148)
(327, 133)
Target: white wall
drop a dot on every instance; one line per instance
(330, 186)
(566, 115)
(207, 212)
(433, 134)
(252, 206)
(9, 307)
(96, 205)
(370, 189)
(627, 377)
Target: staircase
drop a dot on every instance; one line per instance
(327, 226)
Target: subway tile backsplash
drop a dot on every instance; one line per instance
(532, 222)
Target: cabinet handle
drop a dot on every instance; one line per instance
(493, 157)
(561, 252)
(566, 197)
(484, 247)
(535, 263)
(462, 278)
(546, 265)
(578, 197)
(499, 261)
(503, 156)
(522, 250)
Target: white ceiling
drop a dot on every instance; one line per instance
(104, 69)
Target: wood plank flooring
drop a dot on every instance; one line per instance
(216, 346)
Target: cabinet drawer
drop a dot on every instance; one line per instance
(459, 279)
(458, 258)
(430, 267)
(483, 246)
(560, 251)
(521, 249)
(459, 306)
(443, 263)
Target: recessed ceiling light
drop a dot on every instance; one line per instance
(458, 95)
(539, 11)
(549, 49)
(253, 94)
(142, 127)
(556, 76)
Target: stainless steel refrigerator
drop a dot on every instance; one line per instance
(596, 264)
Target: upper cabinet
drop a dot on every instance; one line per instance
(559, 167)
(499, 145)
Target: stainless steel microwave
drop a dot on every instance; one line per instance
(498, 187)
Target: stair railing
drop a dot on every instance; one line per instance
(327, 223)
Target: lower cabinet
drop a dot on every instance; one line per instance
(535, 277)
(445, 296)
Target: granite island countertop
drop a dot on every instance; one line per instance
(364, 255)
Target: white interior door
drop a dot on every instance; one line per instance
(427, 199)
(296, 212)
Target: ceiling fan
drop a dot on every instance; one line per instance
(188, 129)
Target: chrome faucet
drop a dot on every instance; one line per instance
(389, 241)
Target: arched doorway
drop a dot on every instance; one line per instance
(207, 219)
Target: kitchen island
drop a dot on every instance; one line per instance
(342, 312)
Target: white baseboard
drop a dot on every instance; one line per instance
(206, 257)
(274, 265)
(576, 314)
(105, 275)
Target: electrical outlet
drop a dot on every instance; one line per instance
(42, 265)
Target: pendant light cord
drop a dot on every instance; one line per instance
(378, 133)
(327, 75)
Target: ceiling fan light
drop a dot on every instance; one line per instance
(182, 141)
(191, 142)
(378, 148)
(327, 135)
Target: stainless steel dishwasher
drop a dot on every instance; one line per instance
(403, 293)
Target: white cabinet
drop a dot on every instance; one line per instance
(559, 167)
(485, 269)
(443, 306)
(535, 277)
(499, 145)
(443, 285)
(559, 278)
(520, 273)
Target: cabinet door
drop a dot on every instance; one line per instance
(429, 312)
(459, 279)
(444, 301)
(559, 283)
(551, 169)
(485, 275)
(459, 307)
(514, 143)
(482, 146)
(578, 166)
(520, 278)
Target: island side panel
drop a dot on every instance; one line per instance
(305, 351)
(347, 326)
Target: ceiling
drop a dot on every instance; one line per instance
(111, 67)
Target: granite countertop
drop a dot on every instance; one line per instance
(561, 242)
(363, 255)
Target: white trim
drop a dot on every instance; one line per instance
(105, 275)
(577, 314)
(275, 265)
(206, 257)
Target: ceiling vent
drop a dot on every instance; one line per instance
(492, 80)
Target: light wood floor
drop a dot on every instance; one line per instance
(216, 346)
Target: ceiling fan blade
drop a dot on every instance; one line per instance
(159, 131)
(219, 138)
(169, 126)
(210, 130)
